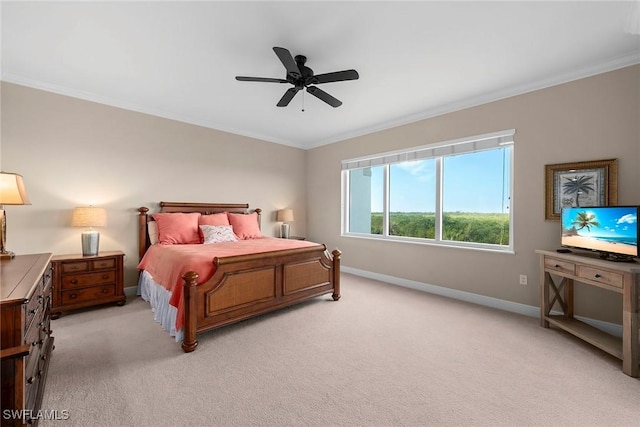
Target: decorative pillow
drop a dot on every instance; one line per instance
(218, 234)
(214, 219)
(177, 228)
(152, 229)
(245, 226)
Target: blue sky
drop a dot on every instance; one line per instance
(473, 183)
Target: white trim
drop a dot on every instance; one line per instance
(510, 306)
(131, 291)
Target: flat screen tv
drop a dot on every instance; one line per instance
(612, 231)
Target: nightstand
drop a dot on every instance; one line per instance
(86, 281)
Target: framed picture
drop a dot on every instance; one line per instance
(593, 183)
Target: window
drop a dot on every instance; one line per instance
(452, 193)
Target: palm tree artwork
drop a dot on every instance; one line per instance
(585, 220)
(577, 186)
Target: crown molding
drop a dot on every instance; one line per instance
(594, 69)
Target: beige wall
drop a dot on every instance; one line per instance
(590, 119)
(73, 152)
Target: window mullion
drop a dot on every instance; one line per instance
(438, 233)
(385, 201)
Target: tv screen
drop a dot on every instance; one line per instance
(610, 230)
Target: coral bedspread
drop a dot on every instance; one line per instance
(167, 263)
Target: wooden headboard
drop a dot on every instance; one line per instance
(204, 208)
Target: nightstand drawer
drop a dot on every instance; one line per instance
(101, 264)
(81, 280)
(88, 294)
(73, 267)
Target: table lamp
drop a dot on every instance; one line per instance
(12, 192)
(286, 216)
(89, 217)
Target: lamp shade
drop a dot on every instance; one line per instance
(12, 191)
(285, 215)
(89, 217)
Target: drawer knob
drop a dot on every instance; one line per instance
(73, 296)
(74, 281)
(104, 291)
(597, 276)
(105, 276)
(30, 380)
(32, 311)
(557, 266)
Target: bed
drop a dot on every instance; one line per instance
(194, 287)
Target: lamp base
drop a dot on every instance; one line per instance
(284, 231)
(7, 255)
(90, 243)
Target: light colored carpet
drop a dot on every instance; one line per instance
(381, 356)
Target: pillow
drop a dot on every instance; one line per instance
(152, 229)
(245, 226)
(214, 219)
(177, 228)
(218, 234)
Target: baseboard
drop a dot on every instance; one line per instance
(513, 307)
(131, 291)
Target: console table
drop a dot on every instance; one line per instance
(588, 268)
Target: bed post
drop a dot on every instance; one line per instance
(189, 342)
(336, 274)
(259, 212)
(142, 232)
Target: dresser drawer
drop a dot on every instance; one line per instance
(89, 279)
(32, 334)
(559, 265)
(73, 267)
(88, 294)
(605, 277)
(33, 306)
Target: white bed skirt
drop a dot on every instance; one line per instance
(158, 297)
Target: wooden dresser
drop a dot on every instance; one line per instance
(85, 281)
(26, 342)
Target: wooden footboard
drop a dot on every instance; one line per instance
(246, 286)
(250, 285)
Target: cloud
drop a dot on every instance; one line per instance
(628, 219)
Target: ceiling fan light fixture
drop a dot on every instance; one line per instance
(301, 76)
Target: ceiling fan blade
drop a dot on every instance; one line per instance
(338, 76)
(324, 96)
(288, 96)
(288, 62)
(260, 79)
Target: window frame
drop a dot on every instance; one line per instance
(436, 151)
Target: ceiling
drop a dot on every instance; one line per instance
(416, 59)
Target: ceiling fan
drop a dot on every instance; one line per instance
(301, 76)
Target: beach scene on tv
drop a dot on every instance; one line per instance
(610, 229)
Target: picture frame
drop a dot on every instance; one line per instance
(590, 183)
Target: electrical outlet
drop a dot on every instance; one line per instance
(523, 279)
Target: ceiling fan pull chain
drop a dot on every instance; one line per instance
(303, 101)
